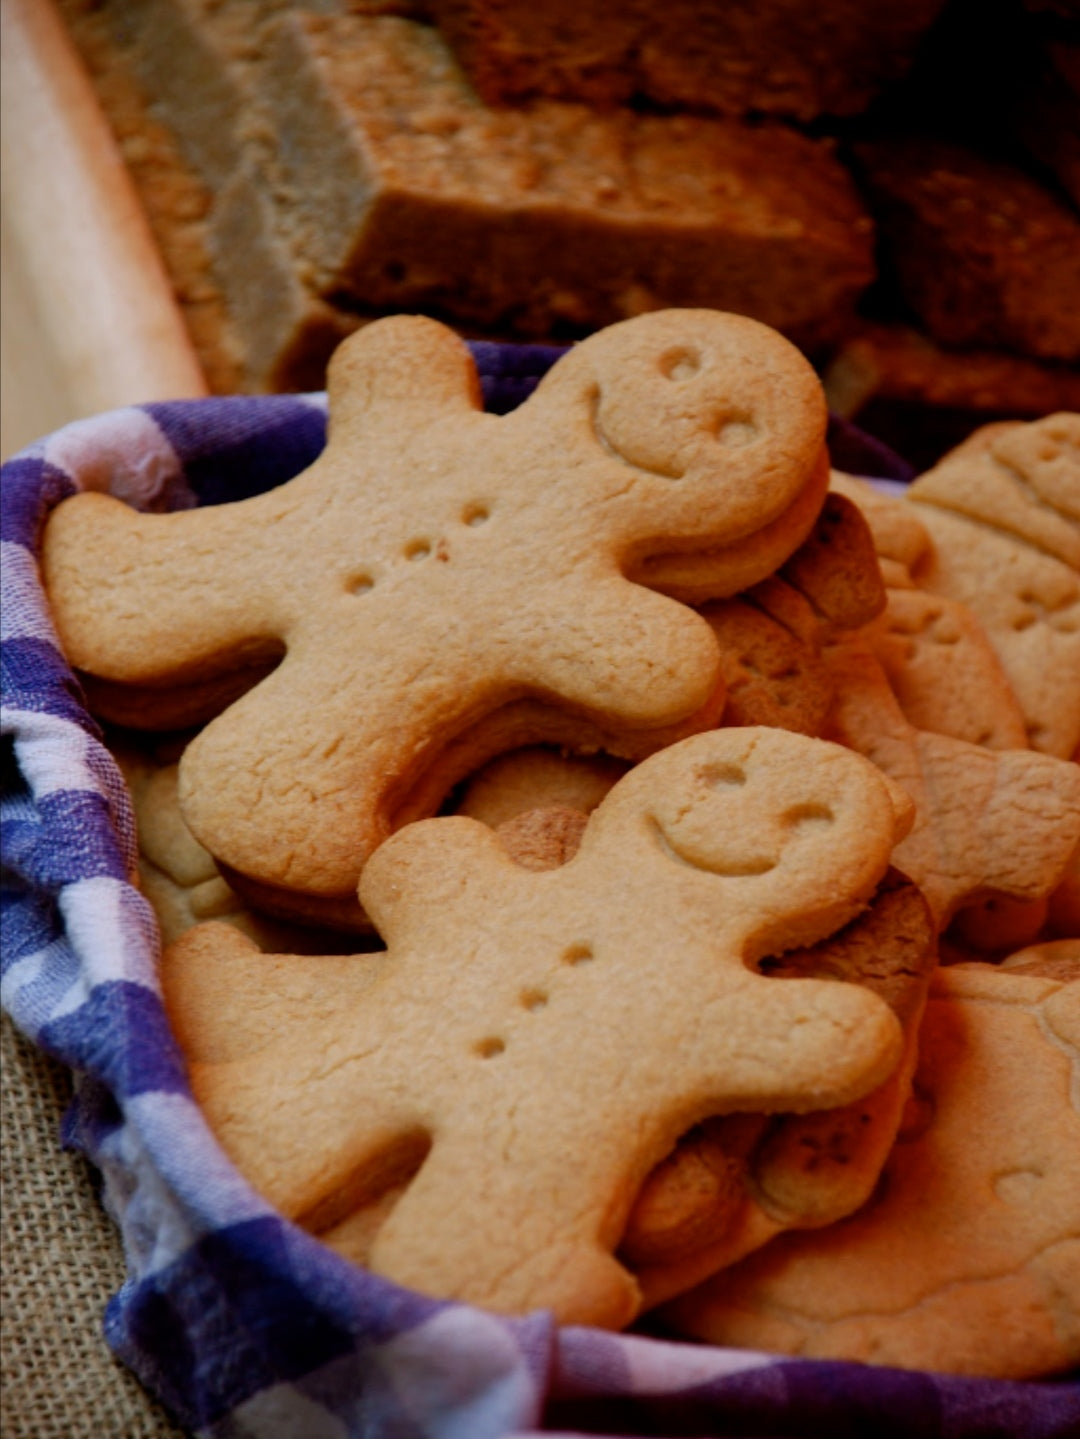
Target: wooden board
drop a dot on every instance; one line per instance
(88, 321)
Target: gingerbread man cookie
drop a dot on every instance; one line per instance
(533, 1043)
(434, 564)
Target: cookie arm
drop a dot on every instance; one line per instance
(111, 575)
(227, 1000)
(795, 1045)
(618, 650)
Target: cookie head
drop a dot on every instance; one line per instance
(716, 404)
(799, 832)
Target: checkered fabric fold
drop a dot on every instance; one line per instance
(242, 1324)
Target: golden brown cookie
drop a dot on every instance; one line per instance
(836, 566)
(1055, 958)
(989, 823)
(965, 1261)
(1003, 514)
(1022, 478)
(436, 564)
(540, 1040)
(943, 670)
(771, 663)
(770, 634)
(697, 576)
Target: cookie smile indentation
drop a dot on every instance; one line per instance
(726, 865)
(606, 443)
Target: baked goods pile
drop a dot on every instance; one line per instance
(644, 772)
(840, 172)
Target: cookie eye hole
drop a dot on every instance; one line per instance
(417, 550)
(475, 515)
(804, 818)
(724, 776)
(490, 1047)
(680, 365)
(1018, 1186)
(578, 954)
(360, 583)
(533, 999)
(735, 431)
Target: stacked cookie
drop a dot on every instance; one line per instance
(589, 805)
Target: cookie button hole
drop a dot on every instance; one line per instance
(475, 515)
(360, 584)
(489, 1048)
(578, 954)
(805, 817)
(533, 999)
(417, 550)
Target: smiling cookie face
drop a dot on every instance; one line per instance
(689, 399)
(774, 832)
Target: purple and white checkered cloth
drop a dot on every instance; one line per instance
(242, 1324)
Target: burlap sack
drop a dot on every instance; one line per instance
(62, 1260)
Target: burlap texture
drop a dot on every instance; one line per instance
(62, 1260)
